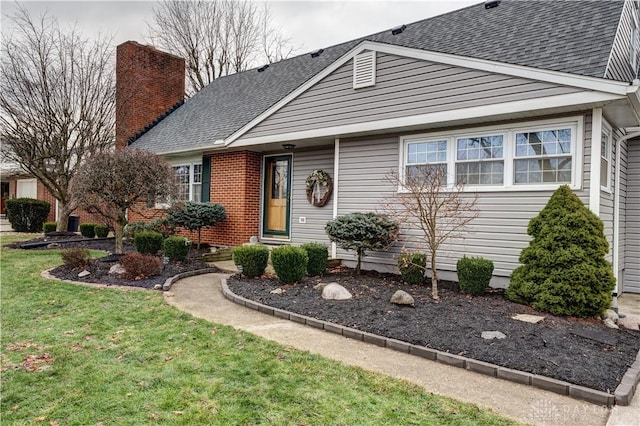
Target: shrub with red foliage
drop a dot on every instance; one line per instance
(139, 266)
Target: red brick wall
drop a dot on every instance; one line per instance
(148, 83)
(235, 183)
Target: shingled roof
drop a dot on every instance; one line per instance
(568, 36)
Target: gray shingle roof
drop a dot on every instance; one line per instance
(568, 36)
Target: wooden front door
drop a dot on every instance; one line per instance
(277, 194)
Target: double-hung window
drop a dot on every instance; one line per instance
(189, 180)
(605, 160)
(529, 156)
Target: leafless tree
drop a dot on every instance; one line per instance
(123, 180)
(57, 102)
(216, 37)
(427, 203)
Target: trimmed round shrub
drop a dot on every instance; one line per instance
(474, 274)
(252, 258)
(148, 242)
(176, 248)
(27, 214)
(131, 229)
(49, 227)
(564, 270)
(138, 266)
(76, 258)
(318, 255)
(290, 263)
(101, 231)
(88, 230)
(412, 267)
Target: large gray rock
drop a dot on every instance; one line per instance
(84, 273)
(611, 314)
(320, 286)
(116, 269)
(401, 297)
(334, 291)
(610, 323)
(489, 335)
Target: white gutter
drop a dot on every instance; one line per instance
(336, 183)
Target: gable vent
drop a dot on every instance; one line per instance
(364, 70)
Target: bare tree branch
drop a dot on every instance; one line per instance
(425, 202)
(57, 102)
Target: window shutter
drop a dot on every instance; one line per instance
(206, 180)
(364, 70)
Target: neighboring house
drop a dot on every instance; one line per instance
(549, 86)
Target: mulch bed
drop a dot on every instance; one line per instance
(99, 268)
(579, 351)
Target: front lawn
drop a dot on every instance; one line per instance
(80, 355)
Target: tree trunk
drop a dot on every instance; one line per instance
(199, 229)
(360, 253)
(119, 234)
(63, 218)
(434, 278)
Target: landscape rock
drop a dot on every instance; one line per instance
(53, 245)
(493, 335)
(157, 287)
(320, 286)
(611, 314)
(116, 269)
(334, 291)
(401, 297)
(277, 291)
(533, 319)
(84, 273)
(610, 324)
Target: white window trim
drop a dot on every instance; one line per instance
(191, 164)
(577, 145)
(606, 129)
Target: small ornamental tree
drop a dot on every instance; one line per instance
(564, 270)
(362, 231)
(111, 183)
(195, 216)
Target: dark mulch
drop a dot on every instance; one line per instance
(580, 351)
(99, 268)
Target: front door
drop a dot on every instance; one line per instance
(277, 194)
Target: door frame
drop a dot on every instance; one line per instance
(264, 233)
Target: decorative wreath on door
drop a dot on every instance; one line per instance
(319, 188)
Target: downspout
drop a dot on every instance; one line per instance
(336, 180)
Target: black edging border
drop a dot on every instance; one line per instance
(622, 396)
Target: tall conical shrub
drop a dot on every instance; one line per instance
(564, 270)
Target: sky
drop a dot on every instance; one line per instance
(309, 24)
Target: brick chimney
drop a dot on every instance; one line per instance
(148, 83)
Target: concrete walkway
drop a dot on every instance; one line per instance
(202, 297)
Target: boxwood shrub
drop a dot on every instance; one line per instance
(253, 259)
(49, 227)
(27, 214)
(101, 231)
(412, 267)
(176, 248)
(318, 255)
(88, 230)
(290, 263)
(148, 242)
(474, 274)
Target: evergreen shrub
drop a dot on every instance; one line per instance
(412, 267)
(474, 274)
(176, 248)
(148, 242)
(290, 263)
(88, 230)
(101, 231)
(564, 270)
(253, 259)
(318, 255)
(27, 214)
(49, 227)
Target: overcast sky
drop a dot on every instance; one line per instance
(310, 24)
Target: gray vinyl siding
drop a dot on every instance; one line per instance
(498, 233)
(619, 66)
(632, 255)
(316, 217)
(404, 87)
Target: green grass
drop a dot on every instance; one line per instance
(80, 355)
